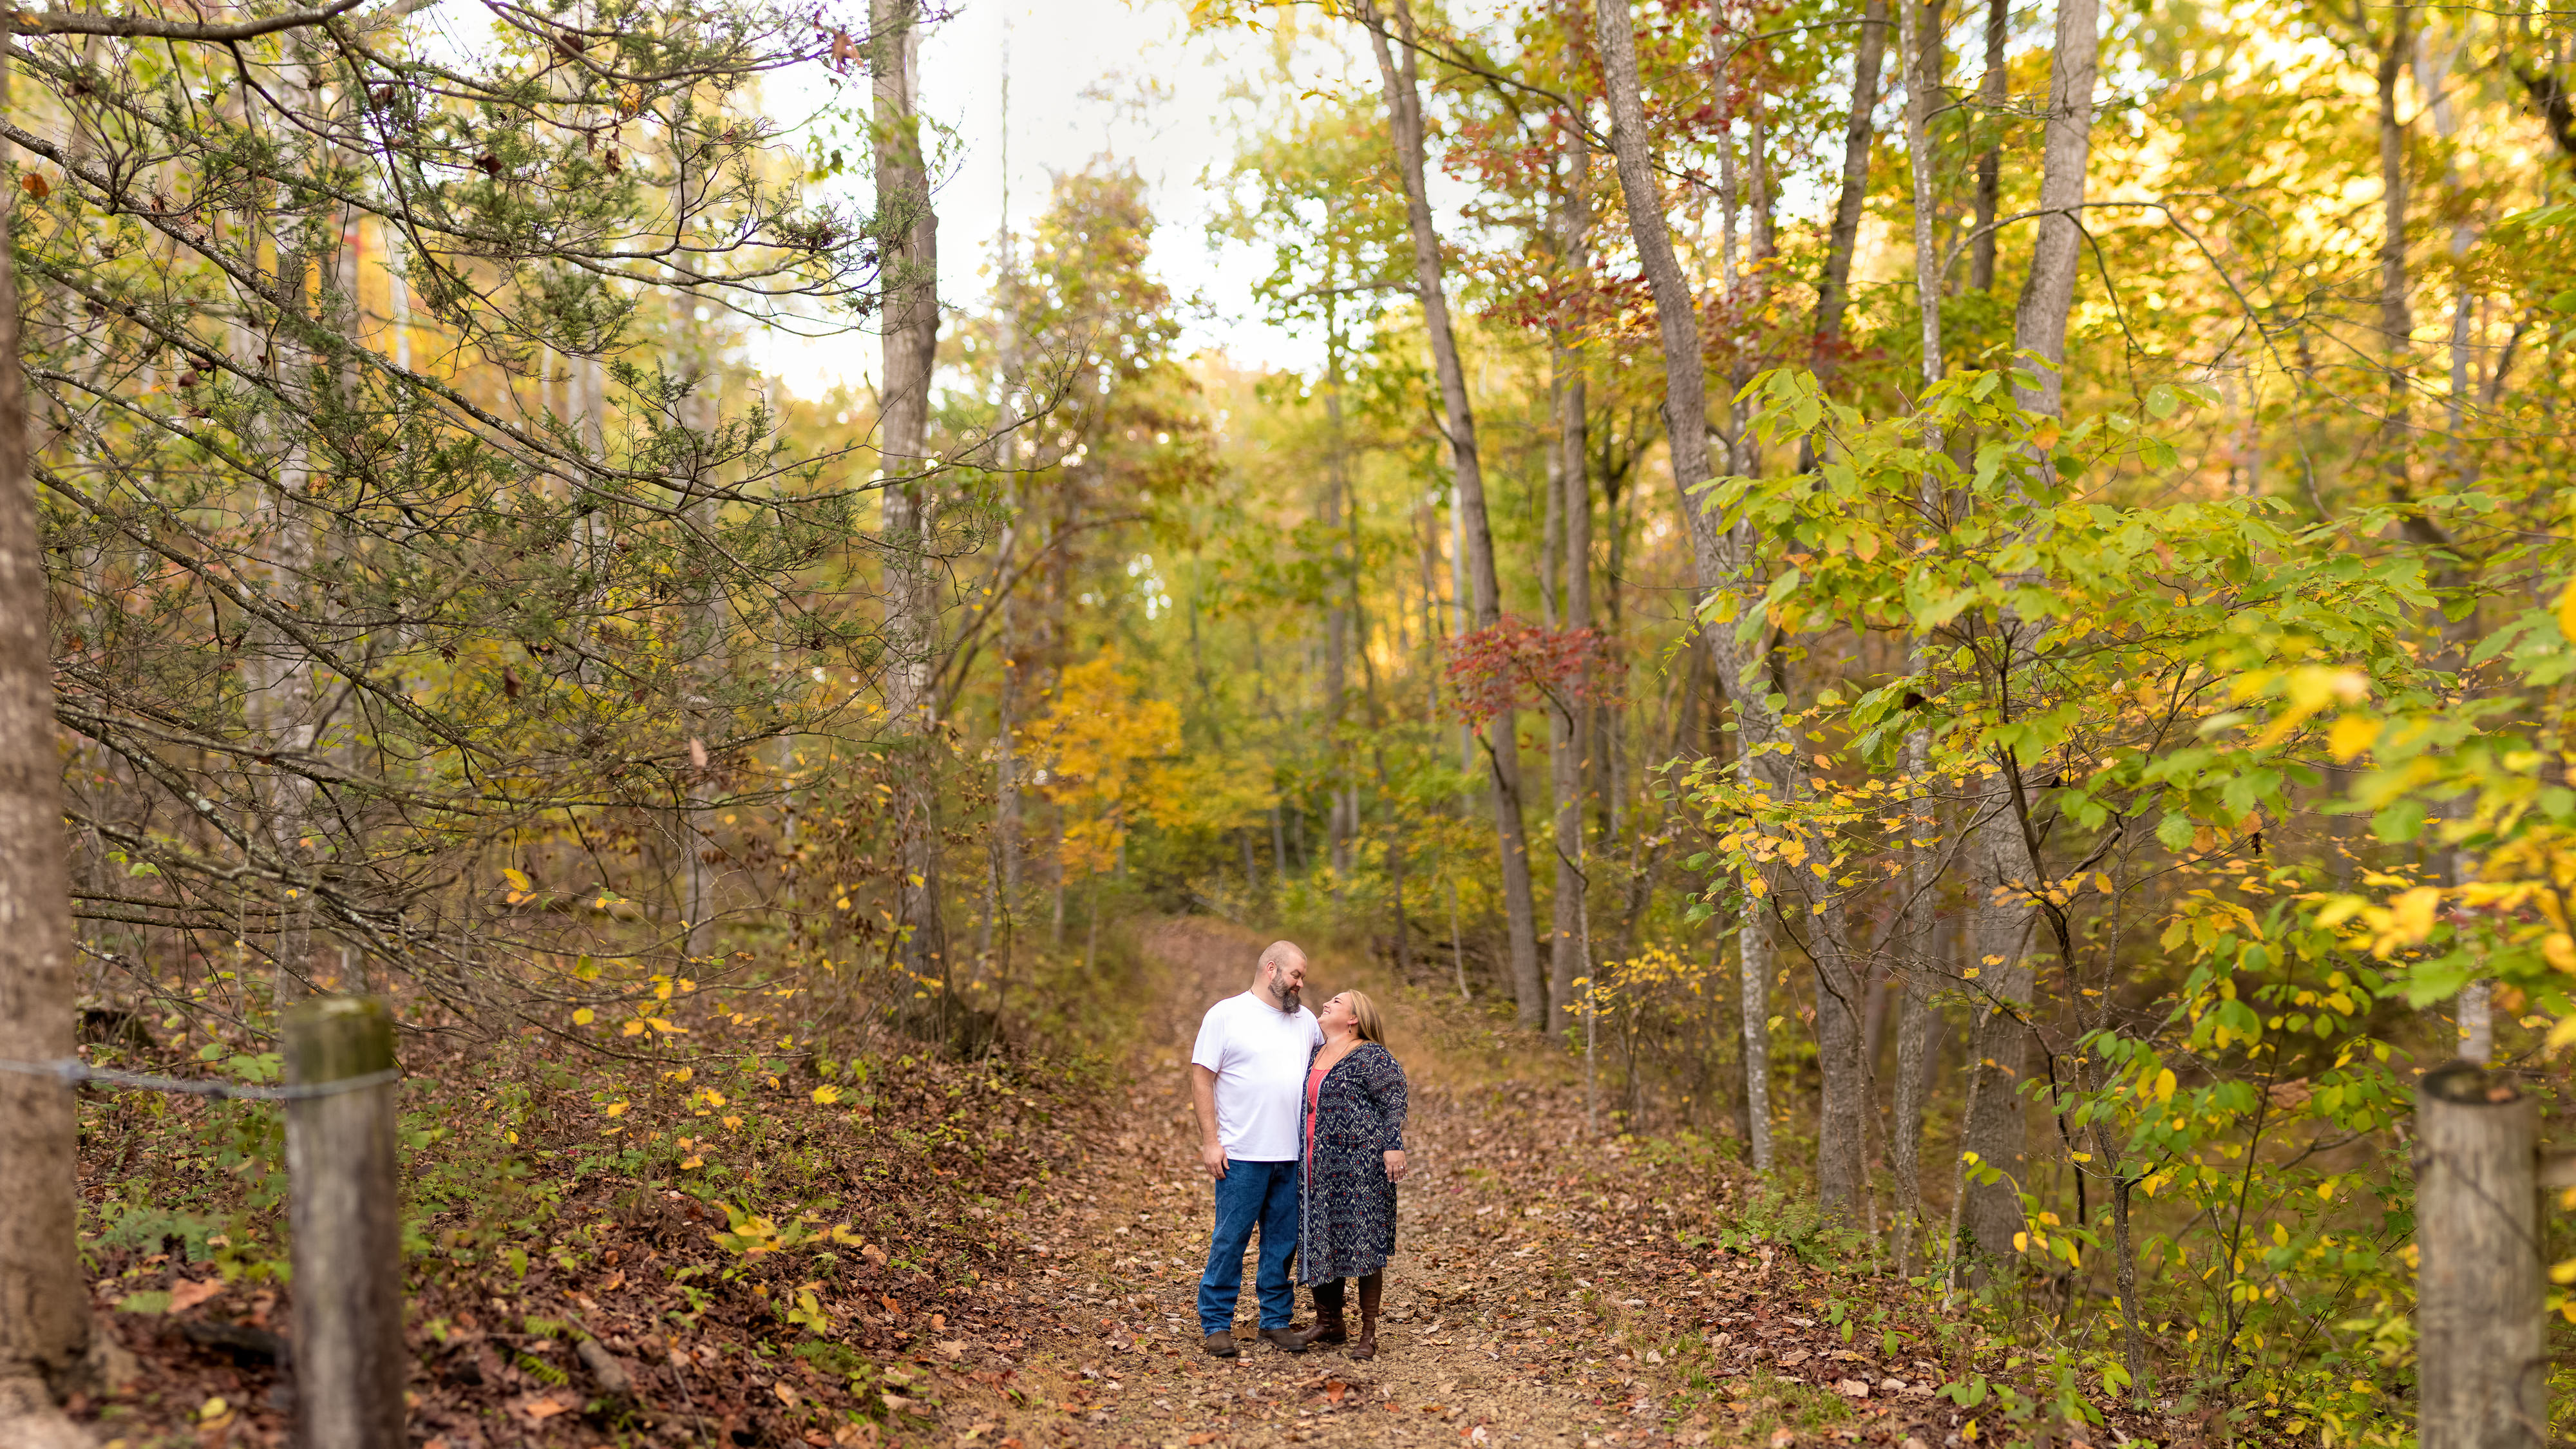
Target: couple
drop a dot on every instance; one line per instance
(1301, 1123)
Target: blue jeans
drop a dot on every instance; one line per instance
(1250, 1194)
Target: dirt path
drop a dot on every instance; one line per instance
(1506, 1322)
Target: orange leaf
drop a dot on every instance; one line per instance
(186, 1294)
(541, 1408)
(36, 186)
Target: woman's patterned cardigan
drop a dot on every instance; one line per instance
(1346, 1217)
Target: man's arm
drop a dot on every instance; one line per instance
(1203, 1095)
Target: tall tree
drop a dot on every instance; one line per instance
(1915, 1020)
(1721, 558)
(1400, 78)
(44, 1304)
(1568, 718)
(908, 238)
(1842, 241)
(1997, 855)
(2048, 293)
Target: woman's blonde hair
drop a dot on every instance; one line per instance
(1372, 1027)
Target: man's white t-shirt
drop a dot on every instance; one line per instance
(1259, 1055)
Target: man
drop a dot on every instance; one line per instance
(1247, 1074)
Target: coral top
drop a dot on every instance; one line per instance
(1314, 1087)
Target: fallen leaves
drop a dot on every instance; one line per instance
(187, 1293)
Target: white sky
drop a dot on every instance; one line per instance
(1086, 77)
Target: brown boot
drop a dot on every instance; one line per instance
(1286, 1340)
(1329, 1328)
(1372, 1294)
(1220, 1344)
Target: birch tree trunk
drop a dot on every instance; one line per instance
(1502, 746)
(44, 1304)
(1721, 558)
(909, 332)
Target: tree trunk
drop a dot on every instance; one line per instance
(44, 1303)
(1990, 160)
(1568, 718)
(2483, 1371)
(2039, 323)
(1502, 745)
(910, 332)
(1833, 295)
(1839, 1171)
(1340, 816)
(1721, 558)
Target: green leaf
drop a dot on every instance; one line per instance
(2174, 831)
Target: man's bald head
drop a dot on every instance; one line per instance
(1281, 975)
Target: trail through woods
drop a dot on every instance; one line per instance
(1545, 1290)
(941, 1253)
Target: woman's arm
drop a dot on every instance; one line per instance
(1385, 1083)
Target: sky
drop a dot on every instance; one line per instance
(1085, 78)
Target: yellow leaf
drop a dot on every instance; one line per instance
(2351, 734)
(693, 1160)
(826, 1096)
(615, 1109)
(633, 1028)
(2567, 610)
(518, 879)
(2165, 1085)
(584, 1016)
(2021, 1242)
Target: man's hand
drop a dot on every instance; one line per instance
(1395, 1164)
(1203, 1097)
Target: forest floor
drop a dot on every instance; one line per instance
(927, 1253)
(1547, 1289)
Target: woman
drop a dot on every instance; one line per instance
(1354, 1157)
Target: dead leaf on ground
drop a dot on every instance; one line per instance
(188, 1293)
(540, 1409)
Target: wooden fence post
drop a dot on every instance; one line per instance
(344, 1166)
(2480, 1377)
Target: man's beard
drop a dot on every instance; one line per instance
(1288, 999)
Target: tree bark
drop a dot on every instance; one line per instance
(1502, 745)
(2039, 323)
(1839, 1156)
(44, 1304)
(2482, 1382)
(1833, 294)
(1568, 718)
(909, 332)
(1990, 159)
(1721, 558)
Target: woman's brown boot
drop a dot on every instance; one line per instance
(1329, 1324)
(1372, 1289)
